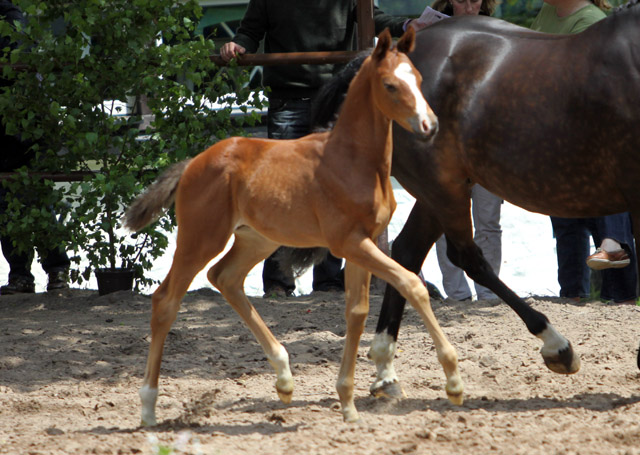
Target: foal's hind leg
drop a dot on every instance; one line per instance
(367, 255)
(357, 281)
(188, 260)
(228, 276)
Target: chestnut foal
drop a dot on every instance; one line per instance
(328, 189)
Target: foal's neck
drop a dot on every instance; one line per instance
(363, 131)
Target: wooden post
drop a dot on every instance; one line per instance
(366, 28)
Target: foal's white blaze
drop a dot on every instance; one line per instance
(425, 120)
(382, 352)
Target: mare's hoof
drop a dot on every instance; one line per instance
(391, 390)
(564, 362)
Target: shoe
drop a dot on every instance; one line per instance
(58, 280)
(452, 300)
(329, 288)
(277, 292)
(602, 259)
(433, 290)
(18, 285)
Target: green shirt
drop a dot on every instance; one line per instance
(547, 20)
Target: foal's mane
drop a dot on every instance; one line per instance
(329, 98)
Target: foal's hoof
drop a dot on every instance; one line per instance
(148, 422)
(391, 390)
(285, 391)
(456, 398)
(564, 362)
(351, 416)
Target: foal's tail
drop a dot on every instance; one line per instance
(157, 198)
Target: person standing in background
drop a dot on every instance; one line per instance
(15, 153)
(297, 26)
(613, 232)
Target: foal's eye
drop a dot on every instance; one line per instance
(391, 88)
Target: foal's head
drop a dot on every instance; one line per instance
(397, 85)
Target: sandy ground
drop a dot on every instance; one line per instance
(71, 365)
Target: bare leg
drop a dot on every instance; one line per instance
(228, 276)
(357, 281)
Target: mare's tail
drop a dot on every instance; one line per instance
(329, 98)
(157, 198)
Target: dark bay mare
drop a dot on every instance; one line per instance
(547, 122)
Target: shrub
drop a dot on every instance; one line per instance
(86, 61)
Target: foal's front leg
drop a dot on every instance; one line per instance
(357, 281)
(411, 288)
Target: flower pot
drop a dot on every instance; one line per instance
(112, 280)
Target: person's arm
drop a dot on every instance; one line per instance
(383, 20)
(252, 29)
(397, 26)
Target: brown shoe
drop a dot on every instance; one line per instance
(602, 259)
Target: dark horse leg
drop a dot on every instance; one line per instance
(410, 249)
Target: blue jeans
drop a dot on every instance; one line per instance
(290, 119)
(573, 248)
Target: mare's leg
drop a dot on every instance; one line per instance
(556, 350)
(197, 244)
(409, 249)
(228, 276)
(357, 281)
(366, 254)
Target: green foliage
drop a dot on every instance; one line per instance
(87, 61)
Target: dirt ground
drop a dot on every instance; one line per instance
(71, 366)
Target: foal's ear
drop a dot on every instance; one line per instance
(407, 41)
(383, 46)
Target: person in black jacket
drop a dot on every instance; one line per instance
(296, 26)
(14, 153)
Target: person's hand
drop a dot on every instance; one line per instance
(230, 50)
(429, 16)
(416, 24)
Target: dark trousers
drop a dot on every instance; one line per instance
(573, 248)
(289, 119)
(15, 154)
